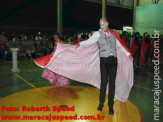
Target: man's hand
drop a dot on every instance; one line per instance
(77, 45)
(130, 56)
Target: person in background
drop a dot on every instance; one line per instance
(62, 40)
(125, 38)
(3, 40)
(136, 48)
(145, 47)
(78, 39)
(52, 77)
(28, 52)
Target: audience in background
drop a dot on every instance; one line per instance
(34, 45)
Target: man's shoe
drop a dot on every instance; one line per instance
(111, 111)
(100, 107)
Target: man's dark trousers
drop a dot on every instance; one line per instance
(108, 67)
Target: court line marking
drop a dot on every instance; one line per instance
(24, 80)
(21, 71)
(33, 86)
(145, 88)
(144, 95)
(41, 69)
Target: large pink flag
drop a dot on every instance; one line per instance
(83, 64)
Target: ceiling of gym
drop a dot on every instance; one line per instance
(77, 14)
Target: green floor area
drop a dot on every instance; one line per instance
(141, 93)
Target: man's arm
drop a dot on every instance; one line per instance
(94, 38)
(122, 48)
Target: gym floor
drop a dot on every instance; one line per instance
(29, 78)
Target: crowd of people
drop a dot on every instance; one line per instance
(31, 45)
(41, 44)
(142, 47)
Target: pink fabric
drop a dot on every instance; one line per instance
(55, 79)
(83, 64)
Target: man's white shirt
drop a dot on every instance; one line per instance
(95, 37)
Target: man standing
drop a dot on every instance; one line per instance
(108, 41)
